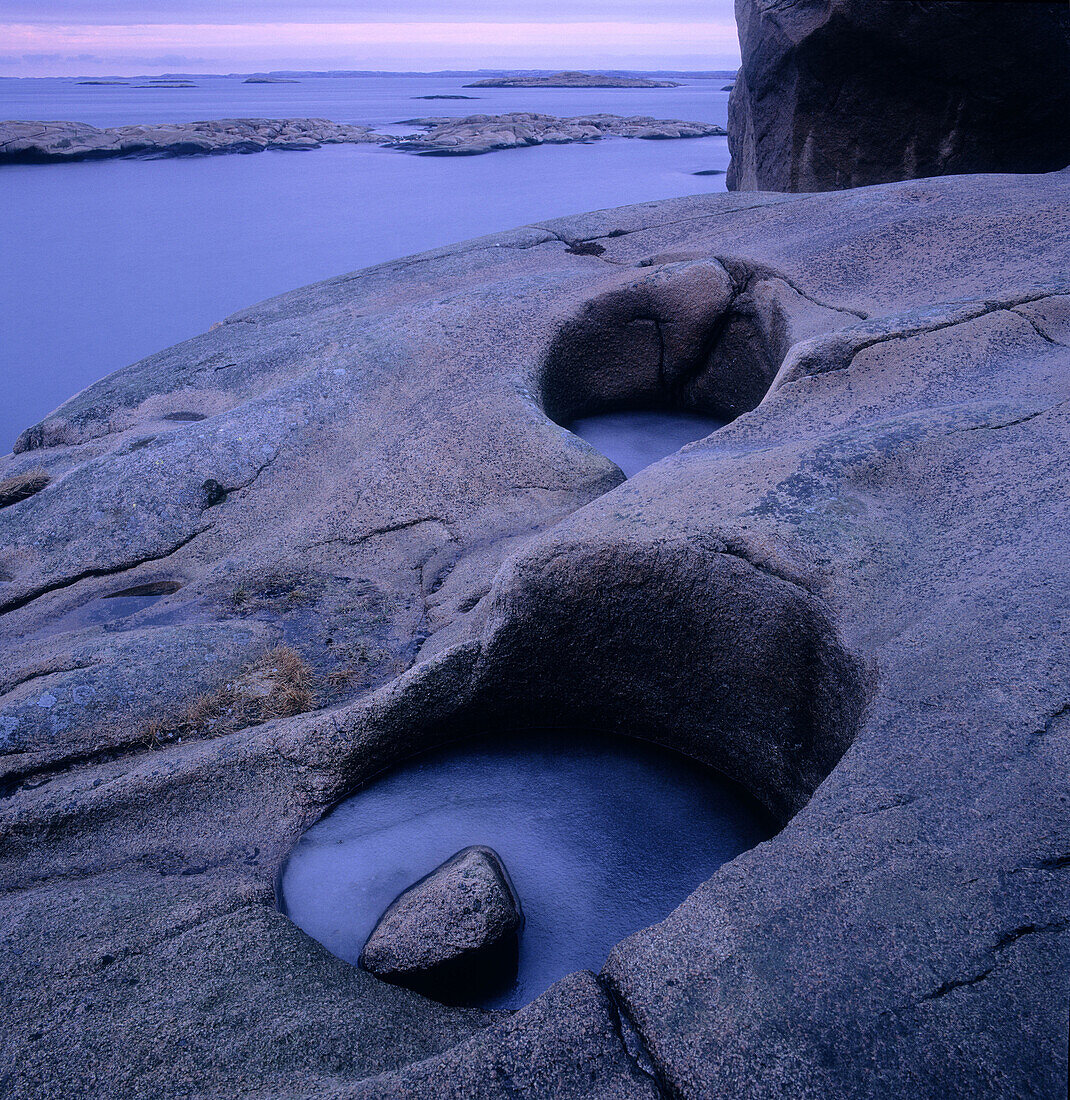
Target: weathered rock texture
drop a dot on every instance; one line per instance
(852, 599)
(451, 932)
(573, 80)
(844, 93)
(489, 133)
(570, 1042)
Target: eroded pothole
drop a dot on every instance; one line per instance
(111, 607)
(601, 836)
(645, 369)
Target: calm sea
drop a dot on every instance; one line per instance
(106, 262)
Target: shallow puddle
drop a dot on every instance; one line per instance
(114, 607)
(637, 439)
(601, 835)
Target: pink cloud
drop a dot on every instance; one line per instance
(381, 44)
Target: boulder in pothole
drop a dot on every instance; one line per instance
(452, 933)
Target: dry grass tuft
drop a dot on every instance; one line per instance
(290, 677)
(154, 733)
(279, 590)
(341, 678)
(278, 684)
(21, 486)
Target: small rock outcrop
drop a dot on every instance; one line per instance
(847, 93)
(476, 134)
(451, 933)
(573, 80)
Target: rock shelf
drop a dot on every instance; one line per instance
(851, 599)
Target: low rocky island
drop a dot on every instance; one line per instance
(44, 142)
(41, 142)
(573, 80)
(489, 133)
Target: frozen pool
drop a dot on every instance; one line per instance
(601, 835)
(636, 439)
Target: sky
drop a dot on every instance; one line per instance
(127, 37)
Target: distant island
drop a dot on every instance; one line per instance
(613, 78)
(485, 74)
(572, 80)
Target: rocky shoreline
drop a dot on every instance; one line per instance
(49, 142)
(242, 577)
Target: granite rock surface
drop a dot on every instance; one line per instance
(845, 93)
(852, 599)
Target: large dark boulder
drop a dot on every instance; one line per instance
(846, 93)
